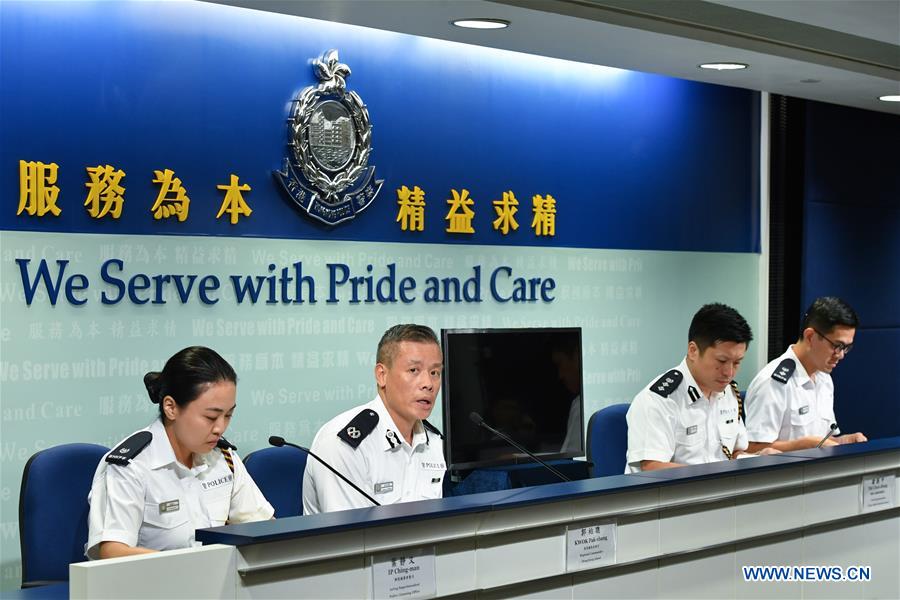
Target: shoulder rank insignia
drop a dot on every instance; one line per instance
(666, 384)
(127, 450)
(429, 427)
(784, 370)
(356, 430)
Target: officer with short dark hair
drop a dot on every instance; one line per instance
(691, 414)
(790, 402)
(386, 447)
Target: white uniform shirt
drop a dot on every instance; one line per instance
(156, 502)
(787, 411)
(682, 427)
(384, 465)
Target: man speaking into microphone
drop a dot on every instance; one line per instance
(385, 446)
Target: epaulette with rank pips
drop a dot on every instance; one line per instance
(359, 427)
(123, 454)
(784, 370)
(668, 383)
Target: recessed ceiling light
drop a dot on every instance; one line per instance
(724, 66)
(481, 23)
(890, 98)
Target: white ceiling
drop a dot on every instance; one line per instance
(840, 51)
(872, 19)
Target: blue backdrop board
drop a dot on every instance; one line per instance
(852, 250)
(142, 213)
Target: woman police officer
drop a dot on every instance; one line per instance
(156, 487)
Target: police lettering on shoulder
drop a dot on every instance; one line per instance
(326, 171)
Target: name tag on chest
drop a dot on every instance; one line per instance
(385, 487)
(168, 506)
(691, 430)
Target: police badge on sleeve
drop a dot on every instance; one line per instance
(326, 171)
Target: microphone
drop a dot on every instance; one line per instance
(476, 418)
(831, 431)
(279, 441)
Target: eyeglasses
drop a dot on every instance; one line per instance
(836, 347)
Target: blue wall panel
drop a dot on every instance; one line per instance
(852, 250)
(635, 161)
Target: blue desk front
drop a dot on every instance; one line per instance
(679, 533)
(297, 527)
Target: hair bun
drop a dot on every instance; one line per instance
(153, 383)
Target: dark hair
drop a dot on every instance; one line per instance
(387, 347)
(827, 312)
(186, 375)
(716, 323)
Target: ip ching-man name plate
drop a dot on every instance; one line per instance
(590, 546)
(407, 573)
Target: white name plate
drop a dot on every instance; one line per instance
(879, 492)
(590, 546)
(407, 573)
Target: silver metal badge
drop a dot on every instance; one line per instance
(353, 432)
(385, 487)
(169, 506)
(326, 171)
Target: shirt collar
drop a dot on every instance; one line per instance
(392, 438)
(160, 453)
(800, 371)
(689, 381)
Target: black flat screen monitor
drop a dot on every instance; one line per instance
(525, 382)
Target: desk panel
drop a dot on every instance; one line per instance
(680, 533)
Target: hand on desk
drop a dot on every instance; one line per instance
(851, 438)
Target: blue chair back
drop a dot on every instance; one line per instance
(53, 510)
(607, 440)
(279, 474)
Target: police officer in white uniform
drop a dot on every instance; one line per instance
(386, 447)
(790, 402)
(691, 414)
(179, 474)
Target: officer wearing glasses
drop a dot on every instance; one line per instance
(790, 403)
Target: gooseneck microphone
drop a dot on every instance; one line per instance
(831, 429)
(476, 418)
(279, 441)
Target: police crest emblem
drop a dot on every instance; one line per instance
(326, 171)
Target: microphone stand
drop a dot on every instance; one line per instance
(280, 441)
(476, 418)
(831, 430)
